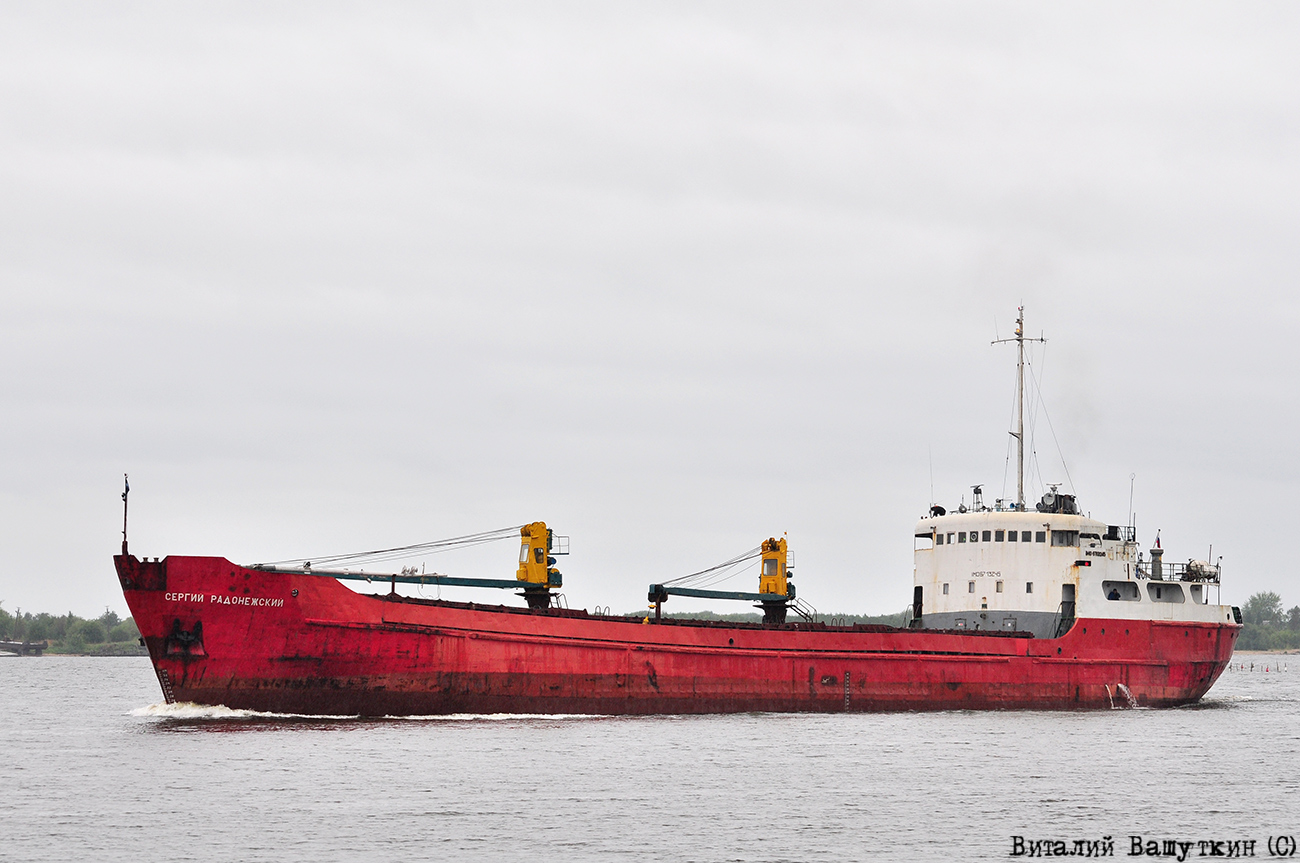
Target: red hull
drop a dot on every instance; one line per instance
(222, 634)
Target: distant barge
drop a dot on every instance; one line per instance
(24, 648)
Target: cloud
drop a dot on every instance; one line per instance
(674, 279)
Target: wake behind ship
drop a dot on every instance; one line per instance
(1013, 607)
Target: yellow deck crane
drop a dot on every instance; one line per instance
(536, 565)
(775, 590)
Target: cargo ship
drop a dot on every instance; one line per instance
(1014, 607)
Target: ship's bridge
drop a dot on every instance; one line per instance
(1010, 568)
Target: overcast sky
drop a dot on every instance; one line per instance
(672, 277)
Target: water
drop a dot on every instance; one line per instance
(91, 770)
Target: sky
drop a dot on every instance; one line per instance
(671, 277)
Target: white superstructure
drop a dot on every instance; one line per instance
(1012, 567)
(1039, 570)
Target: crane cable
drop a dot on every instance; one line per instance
(719, 573)
(404, 551)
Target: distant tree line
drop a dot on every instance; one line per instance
(1267, 626)
(68, 633)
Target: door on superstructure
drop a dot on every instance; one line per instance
(1066, 614)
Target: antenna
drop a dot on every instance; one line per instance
(1131, 478)
(1019, 433)
(931, 451)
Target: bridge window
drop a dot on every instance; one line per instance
(1011, 536)
(1024, 536)
(950, 539)
(974, 536)
(961, 536)
(1165, 592)
(1065, 537)
(987, 536)
(938, 540)
(1126, 591)
(1040, 536)
(999, 535)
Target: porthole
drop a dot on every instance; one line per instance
(731, 641)
(293, 592)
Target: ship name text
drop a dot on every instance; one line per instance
(219, 599)
(260, 601)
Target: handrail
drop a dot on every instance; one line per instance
(1204, 573)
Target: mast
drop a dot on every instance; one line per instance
(1020, 409)
(1019, 433)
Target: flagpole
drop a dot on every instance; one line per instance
(126, 482)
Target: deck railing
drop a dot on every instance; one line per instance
(1190, 571)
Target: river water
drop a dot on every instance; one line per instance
(94, 768)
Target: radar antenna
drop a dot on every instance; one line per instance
(1019, 433)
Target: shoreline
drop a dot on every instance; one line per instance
(7, 655)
